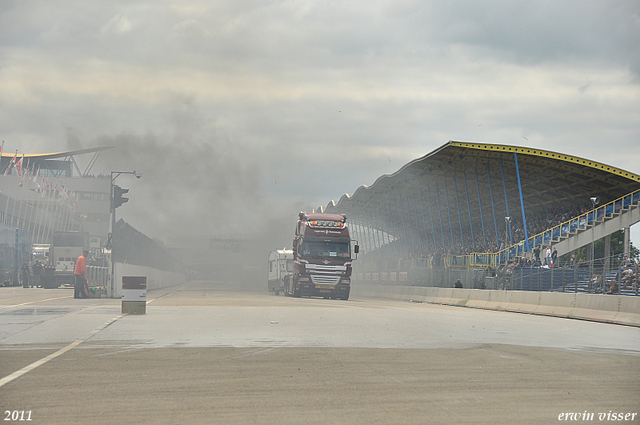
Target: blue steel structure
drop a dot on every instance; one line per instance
(536, 180)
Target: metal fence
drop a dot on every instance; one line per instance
(598, 278)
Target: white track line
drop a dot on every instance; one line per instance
(74, 344)
(34, 302)
(40, 362)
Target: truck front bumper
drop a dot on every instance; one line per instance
(339, 291)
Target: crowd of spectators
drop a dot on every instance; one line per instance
(536, 223)
(629, 277)
(544, 219)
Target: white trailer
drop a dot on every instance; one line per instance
(280, 266)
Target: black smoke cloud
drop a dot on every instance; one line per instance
(197, 180)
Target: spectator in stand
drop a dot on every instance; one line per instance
(625, 262)
(548, 256)
(554, 258)
(536, 254)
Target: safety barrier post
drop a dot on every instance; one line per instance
(134, 294)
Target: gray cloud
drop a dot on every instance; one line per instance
(236, 107)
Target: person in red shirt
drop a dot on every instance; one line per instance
(79, 276)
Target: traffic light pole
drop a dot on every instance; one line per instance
(113, 206)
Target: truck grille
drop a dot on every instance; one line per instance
(326, 269)
(323, 279)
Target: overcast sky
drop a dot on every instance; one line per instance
(233, 109)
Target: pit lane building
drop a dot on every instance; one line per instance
(43, 193)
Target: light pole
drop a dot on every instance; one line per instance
(113, 206)
(507, 220)
(594, 201)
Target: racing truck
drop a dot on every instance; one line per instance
(322, 256)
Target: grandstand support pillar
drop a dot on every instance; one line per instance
(372, 230)
(524, 219)
(594, 202)
(369, 239)
(493, 207)
(484, 235)
(507, 224)
(424, 223)
(383, 226)
(431, 212)
(410, 251)
(455, 187)
(415, 207)
(627, 237)
(404, 231)
(466, 191)
(365, 235)
(446, 193)
(391, 228)
(506, 204)
(374, 220)
(397, 229)
(607, 254)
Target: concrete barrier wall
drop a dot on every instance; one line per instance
(618, 309)
(156, 279)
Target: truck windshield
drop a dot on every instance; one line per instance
(326, 249)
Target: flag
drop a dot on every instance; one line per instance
(13, 161)
(64, 196)
(73, 201)
(19, 166)
(35, 178)
(28, 173)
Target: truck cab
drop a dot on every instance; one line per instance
(322, 257)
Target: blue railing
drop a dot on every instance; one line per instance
(549, 235)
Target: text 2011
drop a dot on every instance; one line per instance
(17, 415)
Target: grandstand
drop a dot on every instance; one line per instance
(474, 207)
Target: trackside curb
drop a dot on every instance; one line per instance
(616, 309)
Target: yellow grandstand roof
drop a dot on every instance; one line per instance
(469, 182)
(54, 155)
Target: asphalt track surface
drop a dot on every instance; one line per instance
(204, 354)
